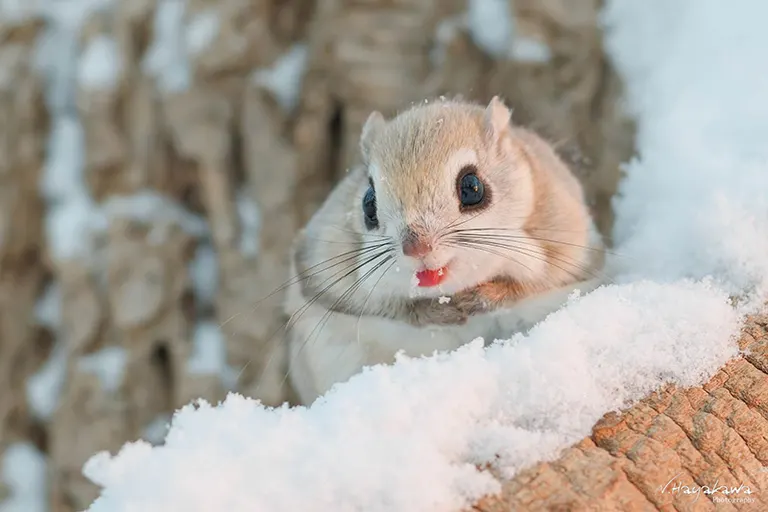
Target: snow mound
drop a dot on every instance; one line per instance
(407, 437)
(691, 203)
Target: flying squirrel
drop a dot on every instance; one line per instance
(458, 224)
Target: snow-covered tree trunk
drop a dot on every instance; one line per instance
(187, 142)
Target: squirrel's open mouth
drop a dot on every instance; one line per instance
(431, 277)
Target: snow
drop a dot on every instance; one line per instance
(166, 59)
(23, 469)
(689, 205)
(71, 216)
(201, 31)
(176, 42)
(58, 48)
(527, 49)
(155, 209)
(74, 225)
(414, 289)
(447, 29)
(43, 387)
(408, 436)
(491, 25)
(283, 78)
(100, 64)
(108, 364)
(17, 11)
(71, 227)
(62, 176)
(48, 307)
(250, 222)
(204, 271)
(209, 354)
(157, 429)
(73, 220)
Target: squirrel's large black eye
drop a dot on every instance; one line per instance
(369, 209)
(471, 190)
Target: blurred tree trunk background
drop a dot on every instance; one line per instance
(157, 157)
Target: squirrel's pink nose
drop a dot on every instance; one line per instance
(415, 245)
(416, 248)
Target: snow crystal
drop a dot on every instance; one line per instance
(43, 387)
(201, 31)
(409, 436)
(443, 300)
(108, 364)
(100, 64)
(23, 468)
(250, 223)
(491, 24)
(283, 79)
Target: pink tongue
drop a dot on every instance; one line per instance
(431, 277)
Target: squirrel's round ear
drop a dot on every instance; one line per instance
(372, 125)
(497, 117)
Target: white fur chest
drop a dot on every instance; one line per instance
(324, 348)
